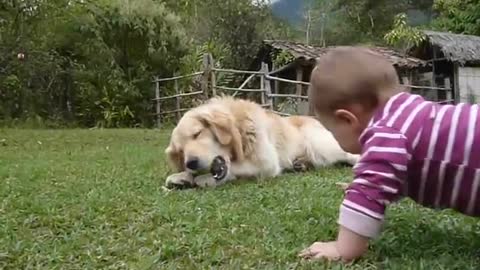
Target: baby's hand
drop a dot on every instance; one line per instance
(321, 250)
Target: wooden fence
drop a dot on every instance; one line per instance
(208, 87)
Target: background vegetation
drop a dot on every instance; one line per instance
(89, 63)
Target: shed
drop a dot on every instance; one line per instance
(295, 61)
(455, 60)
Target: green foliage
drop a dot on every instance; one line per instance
(403, 35)
(91, 62)
(282, 58)
(88, 62)
(359, 21)
(458, 16)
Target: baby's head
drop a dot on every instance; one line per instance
(347, 86)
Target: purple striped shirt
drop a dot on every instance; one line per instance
(418, 149)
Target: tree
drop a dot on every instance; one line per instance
(457, 16)
(402, 35)
(93, 60)
(363, 21)
(90, 62)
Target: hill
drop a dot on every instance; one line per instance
(290, 10)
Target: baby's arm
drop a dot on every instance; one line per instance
(379, 177)
(351, 245)
(348, 247)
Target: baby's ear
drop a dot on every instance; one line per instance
(346, 117)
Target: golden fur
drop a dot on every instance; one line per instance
(253, 141)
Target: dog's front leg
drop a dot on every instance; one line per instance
(207, 180)
(180, 180)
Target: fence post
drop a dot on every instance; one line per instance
(205, 75)
(212, 74)
(263, 79)
(299, 86)
(448, 95)
(177, 100)
(157, 99)
(311, 109)
(276, 86)
(267, 90)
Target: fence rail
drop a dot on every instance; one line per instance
(234, 71)
(286, 80)
(179, 95)
(289, 96)
(268, 95)
(238, 89)
(178, 77)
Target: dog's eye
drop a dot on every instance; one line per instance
(197, 134)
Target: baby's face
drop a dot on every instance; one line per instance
(346, 133)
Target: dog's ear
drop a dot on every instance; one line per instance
(227, 133)
(175, 158)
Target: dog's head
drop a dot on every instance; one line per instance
(202, 135)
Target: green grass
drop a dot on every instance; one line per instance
(92, 199)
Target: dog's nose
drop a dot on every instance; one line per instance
(193, 163)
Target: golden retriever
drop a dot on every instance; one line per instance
(247, 141)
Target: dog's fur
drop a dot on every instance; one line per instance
(253, 141)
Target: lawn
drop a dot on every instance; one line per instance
(92, 199)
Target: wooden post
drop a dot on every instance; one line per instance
(177, 100)
(311, 110)
(456, 83)
(434, 83)
(266, 87)
(276, 86)
(157, 99)
(449, 92)
(276, 90)
(205, 75)
(299, 86)
(263, 94)
(410, 77)
(212, 74)
(406, 81)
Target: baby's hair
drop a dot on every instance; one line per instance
(351, 75)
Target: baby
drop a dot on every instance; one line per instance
(409, 147)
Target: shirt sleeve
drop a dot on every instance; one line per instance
(378, 179)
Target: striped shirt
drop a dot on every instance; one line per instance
(417, 149)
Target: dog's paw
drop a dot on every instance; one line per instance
(342, 185)
(299, 165)
(181, 180)
(205, 181)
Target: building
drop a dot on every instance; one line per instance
(295, 61)
(455, 65)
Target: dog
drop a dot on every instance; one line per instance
(228, 138)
